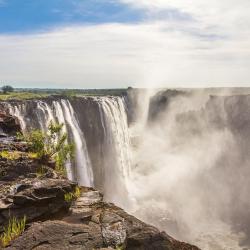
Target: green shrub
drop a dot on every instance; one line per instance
(68, 197)
(71, 196)
(12, 231)
(50, 145)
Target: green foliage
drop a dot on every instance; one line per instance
(41, 171)
(68, 197)
(27, 94)
(50, 145)
(21, 96)
(12, 231)
(10, 155)
(36, 141)
(71, 196)
(7, 89)
(77, 192)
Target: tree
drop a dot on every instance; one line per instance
(7, 89)
(50, 146)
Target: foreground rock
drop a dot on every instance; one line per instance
(93, 224)
(27, 189)
(34, 198)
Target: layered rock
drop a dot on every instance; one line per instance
(34, 198)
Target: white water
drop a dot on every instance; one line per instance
(84, 170)
(180, 176)
(62, 112)
(60, 119)
(116, 148)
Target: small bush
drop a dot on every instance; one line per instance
(68, 197)
(12, 231)
(50, 145)
(71, 196)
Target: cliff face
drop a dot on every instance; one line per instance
(56, 223)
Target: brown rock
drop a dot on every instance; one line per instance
(104, 226)
(34, 198)
(9, 124)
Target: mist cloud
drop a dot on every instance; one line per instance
(190, 170)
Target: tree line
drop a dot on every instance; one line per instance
(7, 88)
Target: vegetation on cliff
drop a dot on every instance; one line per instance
(27, 94)
(14, 229)
(50, 146)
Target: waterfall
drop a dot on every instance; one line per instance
(84, 170)
(116, 148)
(38, 115)
(60, 118)
(98, 127)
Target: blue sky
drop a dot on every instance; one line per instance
(121, 43)
(39, 15)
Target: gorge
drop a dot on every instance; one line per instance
(177, 159)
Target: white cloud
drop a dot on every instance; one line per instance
(221, 16)
(118, 55)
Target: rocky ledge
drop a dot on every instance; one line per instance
(54, 222)
(93, 224)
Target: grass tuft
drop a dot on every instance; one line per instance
(10, 155)
(12, 231)
(71, 196)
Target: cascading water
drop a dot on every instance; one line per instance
(60, 118)
(191, 169)
(115, 145)
(84, 170)
(116, 149)
(40, 114)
